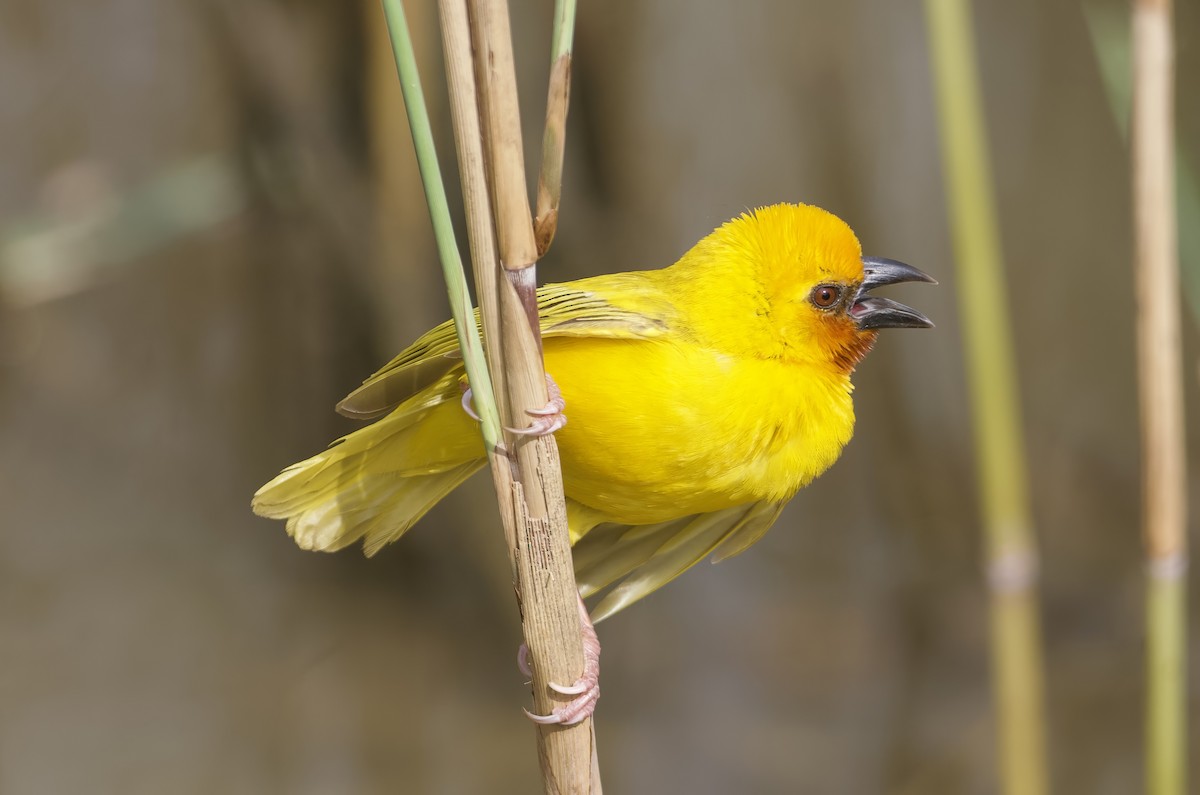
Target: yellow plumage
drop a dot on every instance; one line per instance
(701, 397)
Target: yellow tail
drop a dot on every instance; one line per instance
(377, 482)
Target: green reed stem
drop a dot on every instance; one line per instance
(439, 212)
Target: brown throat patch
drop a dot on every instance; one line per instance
(849, 357)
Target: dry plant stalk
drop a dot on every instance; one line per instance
(1160, 388)
(527, 475)
(460, 77)
(550, 180)
(531, 496)
(549, 191)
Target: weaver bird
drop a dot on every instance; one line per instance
(701, 398)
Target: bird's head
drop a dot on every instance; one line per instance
(796, 286)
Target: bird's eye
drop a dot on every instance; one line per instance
(825, 295)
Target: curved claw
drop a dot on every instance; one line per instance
(568, 714)
(548, 418)
(467, 397)
(587, 687)
(569, 690)
(556, 405)
(540, 425)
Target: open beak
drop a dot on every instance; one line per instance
(871, 312)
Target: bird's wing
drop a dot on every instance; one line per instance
(617, 306)
(647, 557)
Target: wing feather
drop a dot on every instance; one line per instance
(618, 306)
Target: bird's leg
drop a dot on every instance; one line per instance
(548, 418)
(586, 689)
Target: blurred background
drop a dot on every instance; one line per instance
(211, 229)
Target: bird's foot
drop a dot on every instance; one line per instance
(586, 688)
(548, 418)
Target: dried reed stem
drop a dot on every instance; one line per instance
(468, 140)
(549, 192)
(536, 526)
(546, 586)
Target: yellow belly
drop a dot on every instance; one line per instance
(658, 430)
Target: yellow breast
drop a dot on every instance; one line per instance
(660, 429)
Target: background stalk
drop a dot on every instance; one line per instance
(1112, 38)
(1160, 391)
(991, 371)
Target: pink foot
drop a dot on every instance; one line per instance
(586, 688)
(548, 418)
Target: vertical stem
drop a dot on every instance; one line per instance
(545, 222)
(397, 223)
(439, 211)
(991, 370)
(1160, 390)
(468, 139)
(545, 575)
(536, 528)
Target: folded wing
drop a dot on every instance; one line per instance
(618, 306)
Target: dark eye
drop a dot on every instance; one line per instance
(825, 295)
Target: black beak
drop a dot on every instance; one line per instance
(876, 313)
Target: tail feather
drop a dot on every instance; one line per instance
(611, 551)
(374, 484)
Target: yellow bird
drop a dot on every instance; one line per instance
(701, 398)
